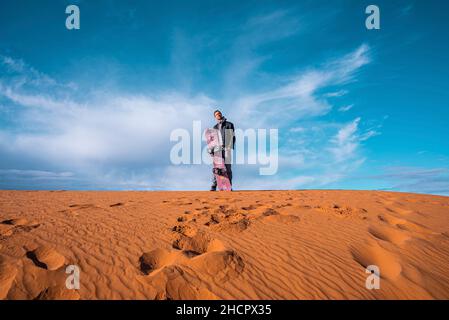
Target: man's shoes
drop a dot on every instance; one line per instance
(213, 189)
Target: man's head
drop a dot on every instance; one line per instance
(218, 115)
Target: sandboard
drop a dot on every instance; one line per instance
(219, 168)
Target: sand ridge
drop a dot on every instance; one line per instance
(209, 245)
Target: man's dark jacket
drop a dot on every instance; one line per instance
(227, 126)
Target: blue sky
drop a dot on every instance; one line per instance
(355, 108)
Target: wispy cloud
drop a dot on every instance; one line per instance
(22, 75)
(346, 108)
(416, 179)
(334, 94)
(35, 173)
(258, 30)
(347, 141)
(299, 98)
(115, 138)
(105, 129)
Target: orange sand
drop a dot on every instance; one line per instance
(212, 245)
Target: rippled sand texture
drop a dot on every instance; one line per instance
(212, 245)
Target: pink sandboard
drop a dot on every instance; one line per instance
(219, 169)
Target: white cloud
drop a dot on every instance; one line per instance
(122, 139)
(299, 98)
(415, 179)
(347, 133)
(34, 100)
(35, 173)
(259, 30)
(369, 134)
(297, 129)
(115, 129)
(23, 74)
(338, 93)
(346, 108)
(347, 141)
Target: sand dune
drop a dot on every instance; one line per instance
(211, 245)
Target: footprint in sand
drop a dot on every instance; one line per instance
(404, 224)
(198, 244)
(75, 209)
(250, 207)
(181, 203)
(6, 230)
(222, 265)
(159, 258)
(82, 206)
(285, 219)
(8, 272)
(389, 234)
(371, 253)
(46, 257)
(118, 204)
(228, 220)
(58, 293)
(280, 206)
(272, 215)
(339, 211)
(185, 229)
(188, 272)
(16, 222)
(214, 219)
(400, 211)
(265, 213)
(225, 218)
(9, 226)
(222, 218)
(237, 224)
(174, 283)
(270, 212)
(71, 213)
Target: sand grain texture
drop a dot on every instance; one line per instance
(212, 245)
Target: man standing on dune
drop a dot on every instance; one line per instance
(227, 142)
